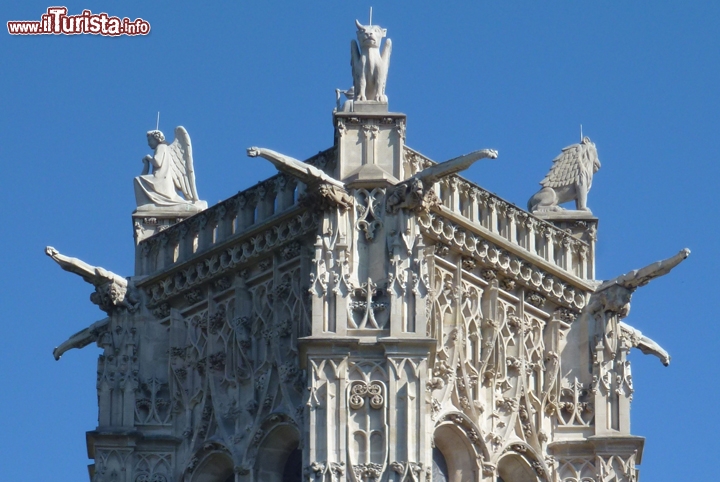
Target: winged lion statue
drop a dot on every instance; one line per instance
(569, 179)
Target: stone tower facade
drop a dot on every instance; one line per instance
(367, 315)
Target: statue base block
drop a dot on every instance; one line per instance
(184, 209)
(150, 222)
(580, 224)
(369, 106)
(570, 214)
(369, 146)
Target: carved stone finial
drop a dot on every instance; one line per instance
(569, 179)
(172, 171)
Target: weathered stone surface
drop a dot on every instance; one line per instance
(366, 315)
(172, 171)
(370, 67)
(570, 179)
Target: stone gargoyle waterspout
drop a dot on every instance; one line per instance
(323, 191)
(611, 302)
(113, 294)
(112, 291)
(417, 194)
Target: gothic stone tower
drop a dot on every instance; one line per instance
(367, 315)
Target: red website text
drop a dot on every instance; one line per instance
(57, 22)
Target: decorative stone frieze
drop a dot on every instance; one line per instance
(490, 255)
(216, 264)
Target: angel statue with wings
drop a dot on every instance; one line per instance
(172, 171)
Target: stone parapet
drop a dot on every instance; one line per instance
(171, 243)
(569, 246)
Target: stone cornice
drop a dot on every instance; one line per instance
(228, 256)
(493, 251)
(502, 205)
(599, 445)
(322, 160)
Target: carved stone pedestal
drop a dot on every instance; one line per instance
(582, 225)
(369, 106)
(370, 147)
(149, 223)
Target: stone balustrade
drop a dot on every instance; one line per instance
(279, 194)
(238, 214)
(500, 218)
(232, 217)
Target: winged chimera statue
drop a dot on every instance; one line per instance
(369, 65)
(569, 179)
(172, 171)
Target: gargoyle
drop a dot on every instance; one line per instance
(614, 295)
(643, 343)
(111, 290)
(570, 178)
(611, 302)
(82, 338)
(417, 194)
(323, 191)
(369, 66)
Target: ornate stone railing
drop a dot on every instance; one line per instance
(461, 199)
(501, 219)
(239, 214)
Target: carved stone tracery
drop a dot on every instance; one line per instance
(328, 314)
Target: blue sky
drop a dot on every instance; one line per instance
(519, 77)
